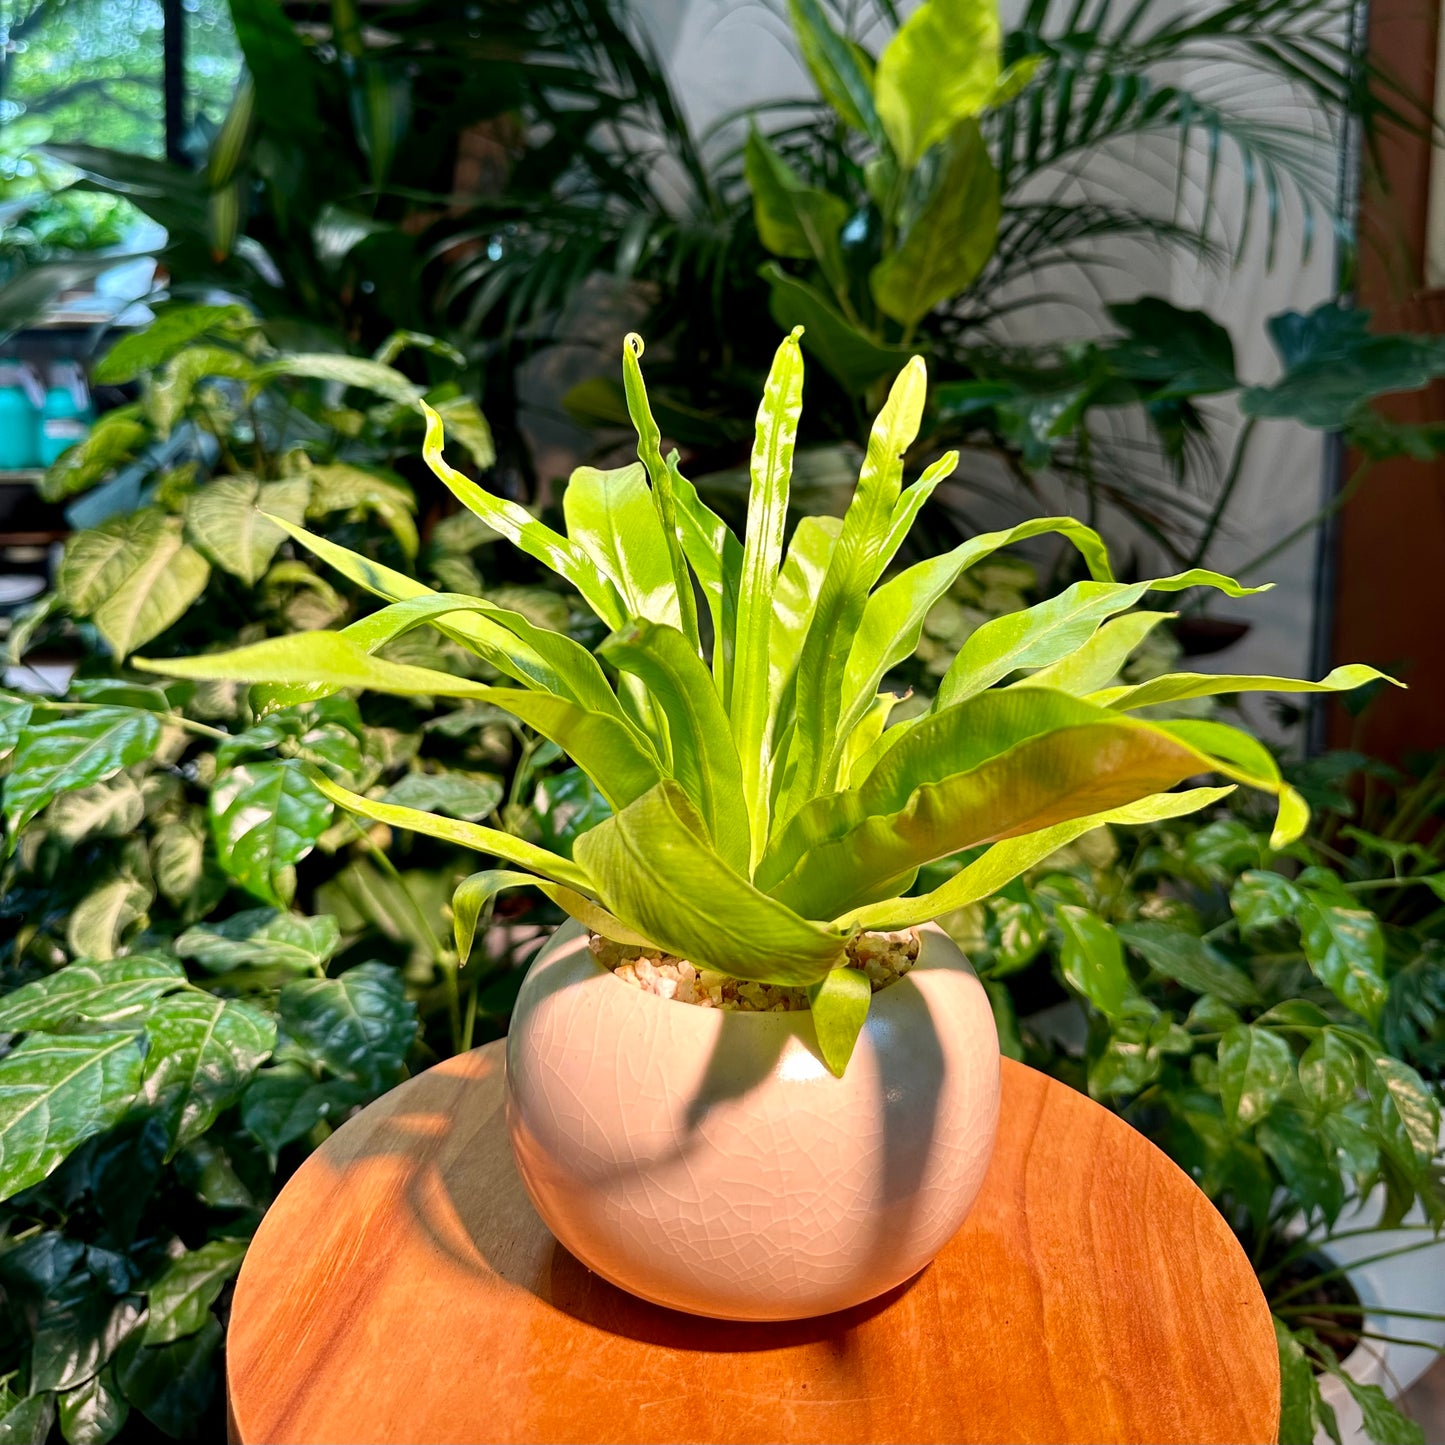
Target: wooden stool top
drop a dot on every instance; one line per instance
(403, 1289)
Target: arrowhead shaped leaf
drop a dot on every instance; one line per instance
(266, 817)
(225, 520)
(1255, 1065)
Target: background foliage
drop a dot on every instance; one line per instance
(191, 1001)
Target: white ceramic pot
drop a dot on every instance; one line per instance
(708, 1160)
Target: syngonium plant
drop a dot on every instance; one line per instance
(764, 809)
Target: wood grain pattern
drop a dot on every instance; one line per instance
(403, 1289)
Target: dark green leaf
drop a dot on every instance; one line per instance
(55, 1092)
(1384, 1422)
(1333, 364)
(171, 1385)
(266, 817)
(1092, 959)
(359, 1026)
(1329, 1072)
(1305, 1161)
(1189, 960)
(28, 1421)
(1346, 949)
(285, 1102)
(77, 1331)
(203, 1050)
(1264, 900)
(1297, 1388)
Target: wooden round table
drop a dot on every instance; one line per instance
(403, 1289)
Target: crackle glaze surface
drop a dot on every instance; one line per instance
(709, 1161)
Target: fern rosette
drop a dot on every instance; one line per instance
(765, 808)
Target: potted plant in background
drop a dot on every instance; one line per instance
(767, 823)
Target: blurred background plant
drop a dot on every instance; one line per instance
(204, 970)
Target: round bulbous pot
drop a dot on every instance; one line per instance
(707, 1160)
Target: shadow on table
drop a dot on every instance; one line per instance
(462, 1194)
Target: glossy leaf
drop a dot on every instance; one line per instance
(1255, 1066)
(98, 993)
(79, 1328)
(55, 1092)
(1092, 959)
(203, 1050)
(1050, 631)
(649, 453)
(1406, 1114)
(284, 1102)
(639, 860)
(839, 1003)
(73, 751)
(181, 1299)
(611, 516)
(358, 1026)
(854, 565)
(108, 914)
(1005, 861)
(1176, 686)
(772, 465)
(172, 1384)
(1095, 664)
(800, 581)
(951, 238)
(1002, 764)
(1329, 1071)
(704, 759)
(716, 557)
(262, 938)
(1189, 960)
(224, 519)
(892, 621)
(1346, 950)
(28, 1421)
(940, 67)
(95, 1412)
(1260, 899)
(265, 818)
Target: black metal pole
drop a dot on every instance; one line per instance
(173, 78)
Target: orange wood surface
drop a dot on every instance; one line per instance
(403, 1289)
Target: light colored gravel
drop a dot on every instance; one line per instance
(884, 957)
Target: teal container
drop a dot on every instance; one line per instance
(66, 414)
(19, 419)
